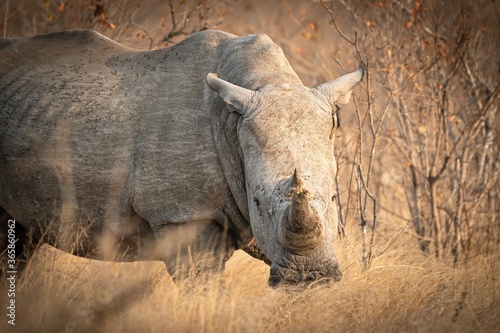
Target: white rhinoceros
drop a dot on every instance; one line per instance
(147, 155)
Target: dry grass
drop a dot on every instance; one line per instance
(402, 292)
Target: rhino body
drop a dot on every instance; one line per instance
(141, 155)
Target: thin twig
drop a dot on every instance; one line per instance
(334, 21)
(393, 239)
(363, 216)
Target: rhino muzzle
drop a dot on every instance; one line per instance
(308, 256)
(291, 275)
(301, 230)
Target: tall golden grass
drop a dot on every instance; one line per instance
(403, 291)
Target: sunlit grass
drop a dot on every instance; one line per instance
(403, 291)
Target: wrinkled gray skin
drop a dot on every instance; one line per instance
(145, 152)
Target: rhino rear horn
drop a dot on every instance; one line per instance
(301, 229)
(338, 91)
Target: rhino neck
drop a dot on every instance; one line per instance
(224, 129)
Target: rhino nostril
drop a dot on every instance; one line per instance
(309, 278)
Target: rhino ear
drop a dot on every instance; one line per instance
(237, 98)
(339, 90)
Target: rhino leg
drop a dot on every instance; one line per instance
(130, 240)
(195, 248)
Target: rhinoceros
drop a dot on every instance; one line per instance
(183, 154)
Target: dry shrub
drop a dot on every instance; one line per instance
(423, 145)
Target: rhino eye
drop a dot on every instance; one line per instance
(257, 204)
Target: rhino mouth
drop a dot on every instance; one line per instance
(287, 276)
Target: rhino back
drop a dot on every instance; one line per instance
(58, 132)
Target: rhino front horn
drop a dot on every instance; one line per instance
(300, 231)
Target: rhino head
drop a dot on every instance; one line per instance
(286, 144)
